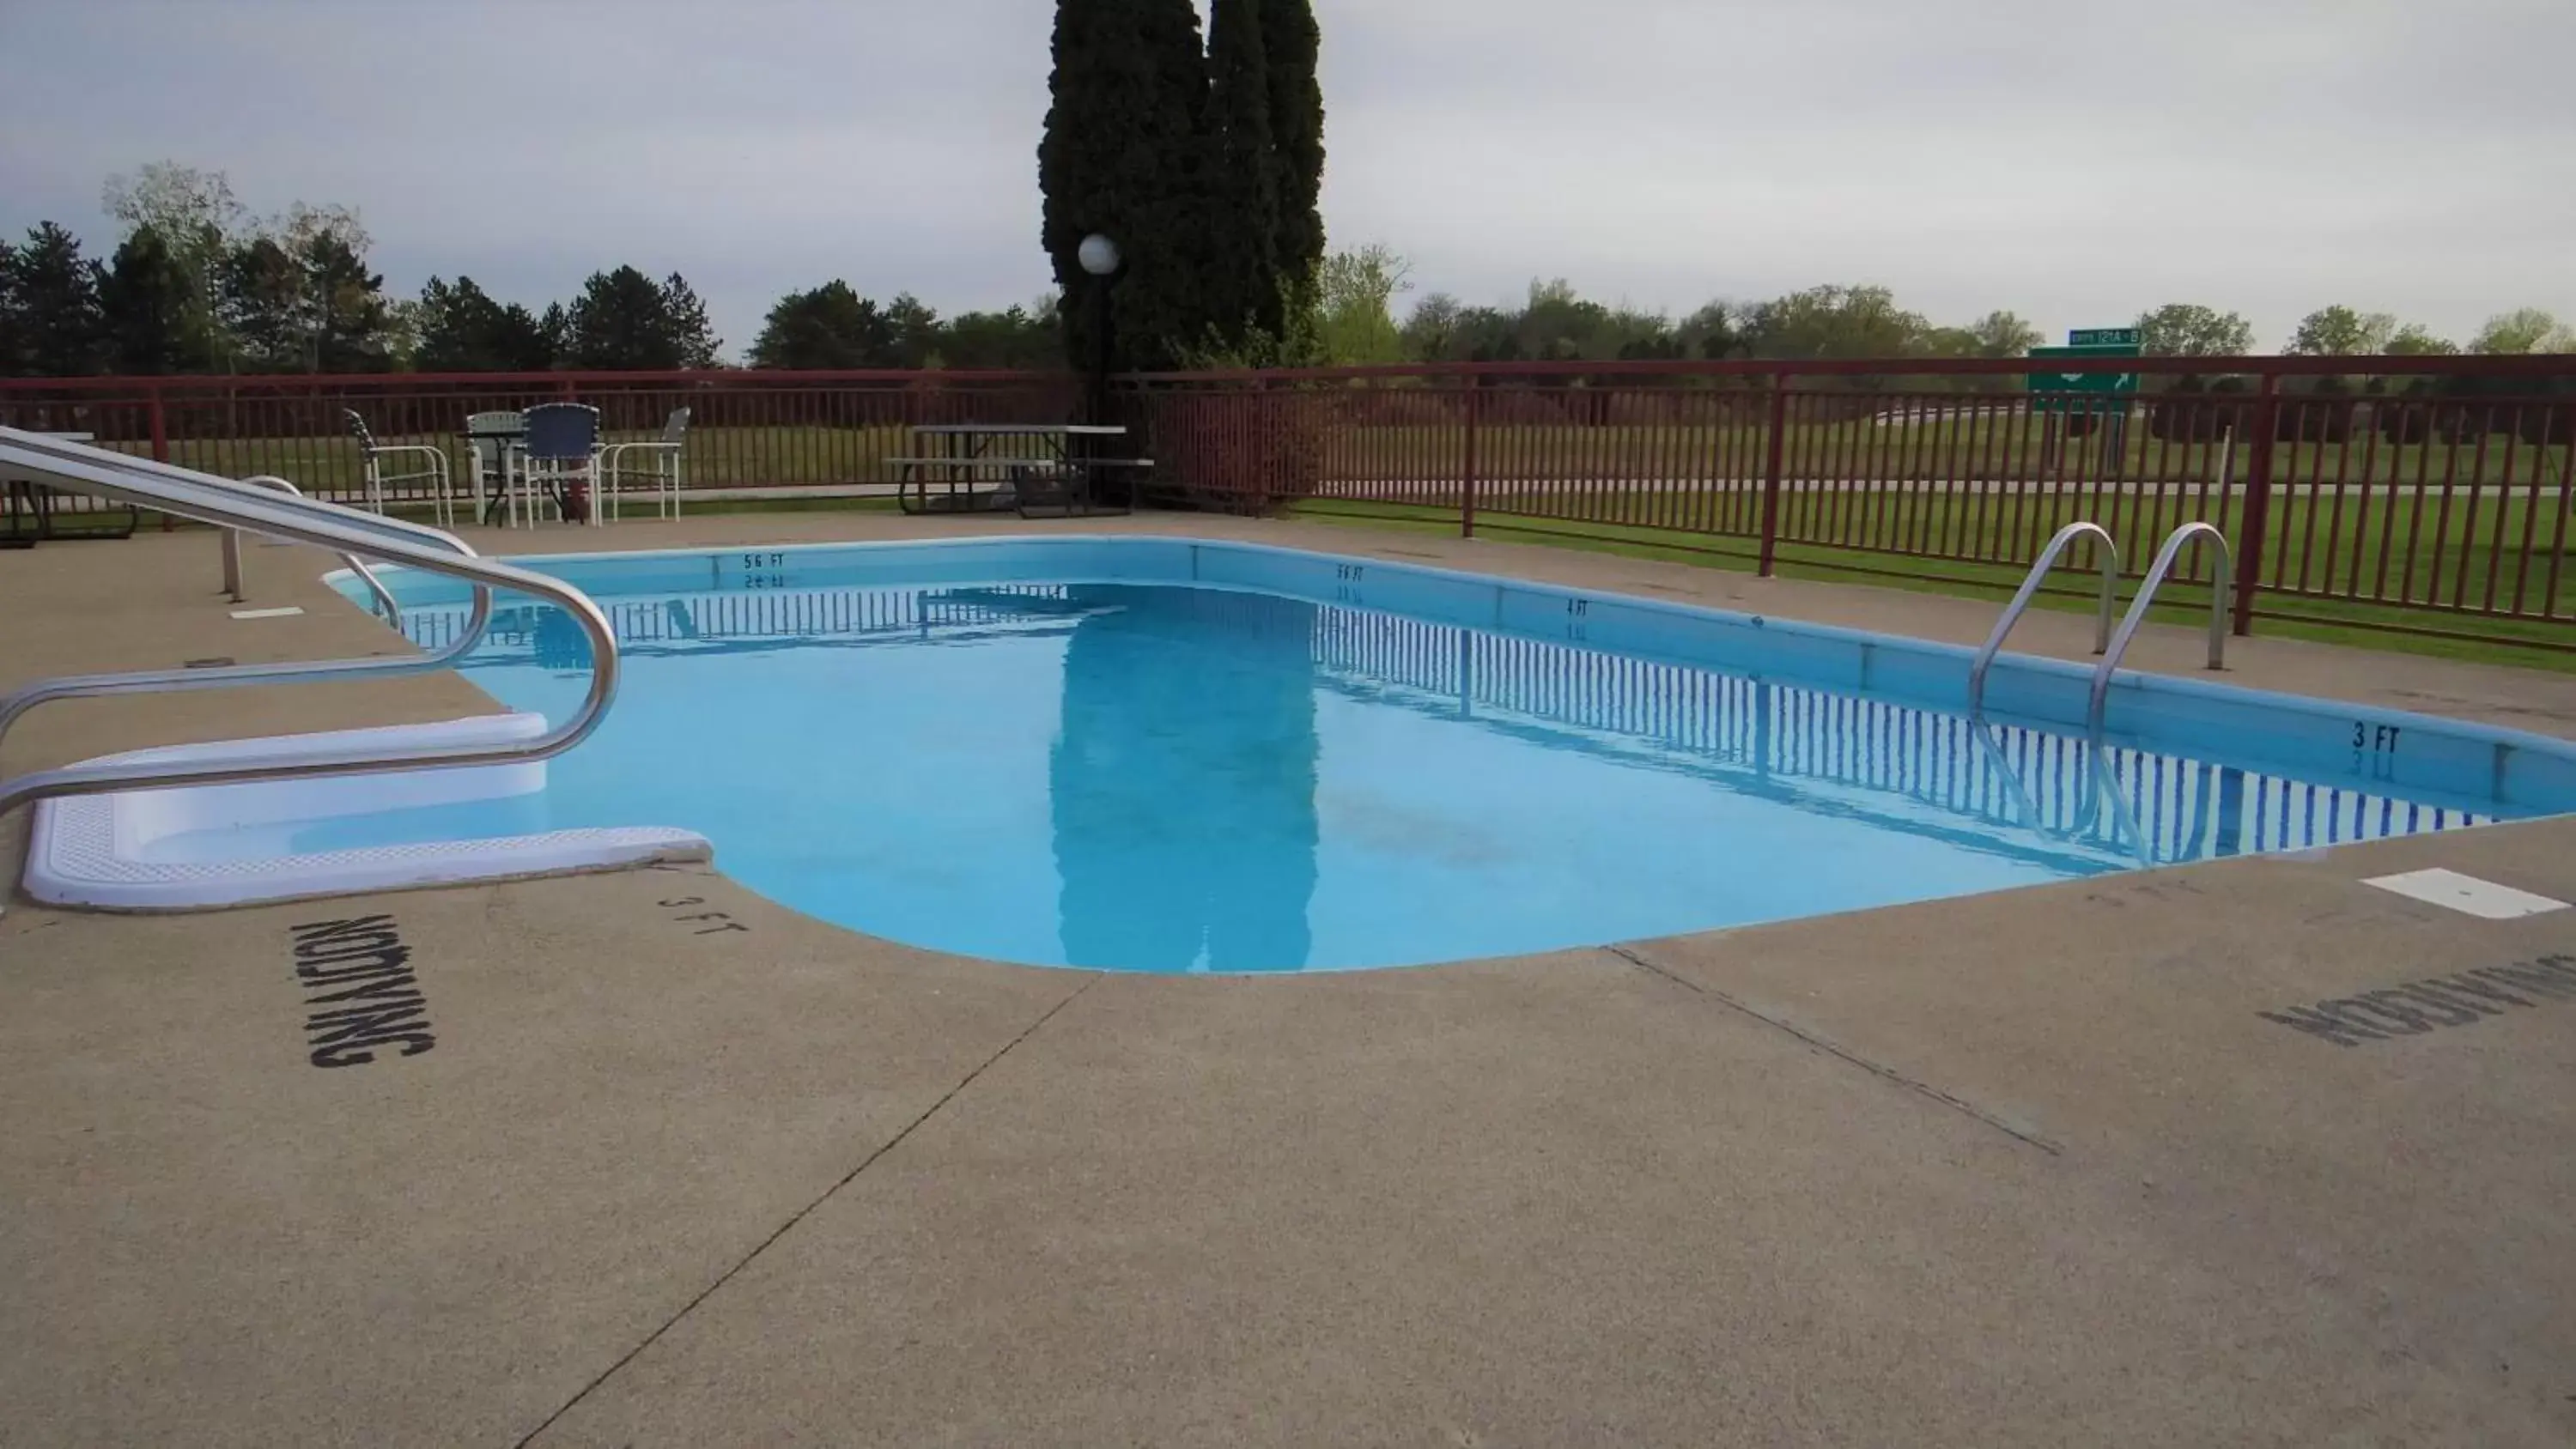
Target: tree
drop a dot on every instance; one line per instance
(2186, 329)
(2525, 329)
(1243, 288)
(915, 326)
(2340, 331)
(145, 297)
(262, 306)
(463, 330)
(1354, 319)
(1431, 330)
(347, 306)
(12, 345)
(196, 216)
(1290, 44)
(624, 321)
(620, 322)
(1124, 154)
(1834, 322)
(55, 327)
(2416, 340)
(1015, 337)
(699, 346)
(831, 326)
(1717, 330)
(2003, 334)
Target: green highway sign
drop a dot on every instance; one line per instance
(2090, 381)
(2104, 337)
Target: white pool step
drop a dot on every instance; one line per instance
(94, 850)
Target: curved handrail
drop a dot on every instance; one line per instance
(302, 521)
(2030, 585)
(204, 487)
(385, 603)
(2157, 572)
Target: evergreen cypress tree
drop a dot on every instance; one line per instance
(1243, 219)
(1124, 154)
(1290, 42)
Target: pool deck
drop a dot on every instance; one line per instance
(2021, 1168)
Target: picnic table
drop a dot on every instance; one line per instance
(36, 502)
(990, 466)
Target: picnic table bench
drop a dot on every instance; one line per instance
(35, 501)
(1053, 474)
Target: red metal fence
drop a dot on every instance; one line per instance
(2429, 495)
(747, 428)
(2423, 494)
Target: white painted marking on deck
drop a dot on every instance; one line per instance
(2466, 894)
(267, 613)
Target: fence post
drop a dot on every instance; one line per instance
(1467, 504)
(2258, 501)
(1779, 430)
(160, 440)
(160, 427)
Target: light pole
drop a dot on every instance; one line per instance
(1099, 257)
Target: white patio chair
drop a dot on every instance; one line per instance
(561, 451)
(373, 456)
(656, 461)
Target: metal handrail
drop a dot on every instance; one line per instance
(2156, 574)
(2030, 585)
(203, 486)
(99, 471)
(385, 601)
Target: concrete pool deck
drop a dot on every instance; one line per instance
(2022, 1168)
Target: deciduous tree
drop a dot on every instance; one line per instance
(2187, 329)
(830, 326)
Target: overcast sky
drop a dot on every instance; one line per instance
(2074, 161)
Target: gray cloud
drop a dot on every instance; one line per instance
(2075, 162)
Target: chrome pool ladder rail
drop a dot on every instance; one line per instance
(2065, 539)
(2221, 585)
(155, 681)
(227, 504)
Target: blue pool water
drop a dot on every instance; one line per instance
(1082, 756)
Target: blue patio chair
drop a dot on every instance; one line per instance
(559, 462)
(654, 462)
(372, 457)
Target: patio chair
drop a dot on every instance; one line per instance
(373, 456)
(559, 462)
(490, 440)
(656, 462)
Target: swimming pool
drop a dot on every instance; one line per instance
(1167, 755)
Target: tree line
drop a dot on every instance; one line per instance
(195, 285)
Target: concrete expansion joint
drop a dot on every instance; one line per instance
(1881, 1070)
(1089, 980)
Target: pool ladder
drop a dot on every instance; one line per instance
(2112, 646)
(271, 510)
